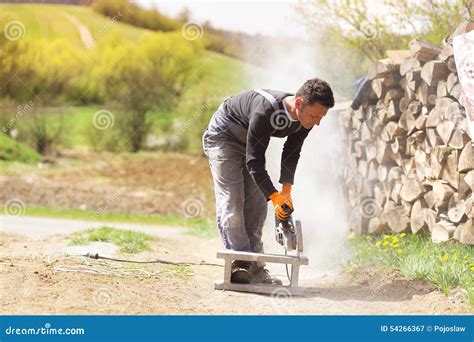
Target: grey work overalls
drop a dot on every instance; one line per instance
(241, 208)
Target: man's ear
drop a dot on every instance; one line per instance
(298, 102)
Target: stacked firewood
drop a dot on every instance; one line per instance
(409, 152)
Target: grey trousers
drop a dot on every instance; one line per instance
(241, 208)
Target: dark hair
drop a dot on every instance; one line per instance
(316, 90)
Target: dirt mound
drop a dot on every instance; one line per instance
(142, 185)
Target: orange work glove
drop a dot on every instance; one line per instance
(281, 199)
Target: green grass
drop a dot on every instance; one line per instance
(47, 21)
(128, 241)
(197, 227)
(222, 76)
(77, 121)
(446, 265)
(11, 150)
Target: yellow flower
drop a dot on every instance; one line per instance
(396, 245)
(394, 239)
(386, 237)
(445, 257)
(399, 250)
(465, 257)
(385, 243)
(402, 235)
(472, 268)
(378, 243)
(349, 270)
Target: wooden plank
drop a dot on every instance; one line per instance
(275, 258)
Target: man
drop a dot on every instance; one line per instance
(235, 142)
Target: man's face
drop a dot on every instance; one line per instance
(310, 115)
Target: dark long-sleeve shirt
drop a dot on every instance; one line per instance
(256, 114)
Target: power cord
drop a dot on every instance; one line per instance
(157, 261)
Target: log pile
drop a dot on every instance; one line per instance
(409, 156)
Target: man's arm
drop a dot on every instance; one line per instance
(258, 137)
(291, 155)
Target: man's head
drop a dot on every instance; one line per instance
(312, 101)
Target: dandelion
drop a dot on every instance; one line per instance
(386, 237)
(378, 243)
(394, 239)
(385, 243)
(402, 235)
(445, 257)
(396, 245)
(399, 251)
(472, 268)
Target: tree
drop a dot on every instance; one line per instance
(148, 77)
(360, 34)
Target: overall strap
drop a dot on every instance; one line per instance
(269, 97)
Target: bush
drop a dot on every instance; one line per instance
(15, 66)
(42, 129)
(135, 15)
(151, 80)
(11, 150)
(7, 116)
(105, 140)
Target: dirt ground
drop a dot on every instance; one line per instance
(36, 278)
(154, 184)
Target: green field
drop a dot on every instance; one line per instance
(45, 21)
(222, 75)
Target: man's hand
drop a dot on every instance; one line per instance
(286, 191)
(281, 199)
